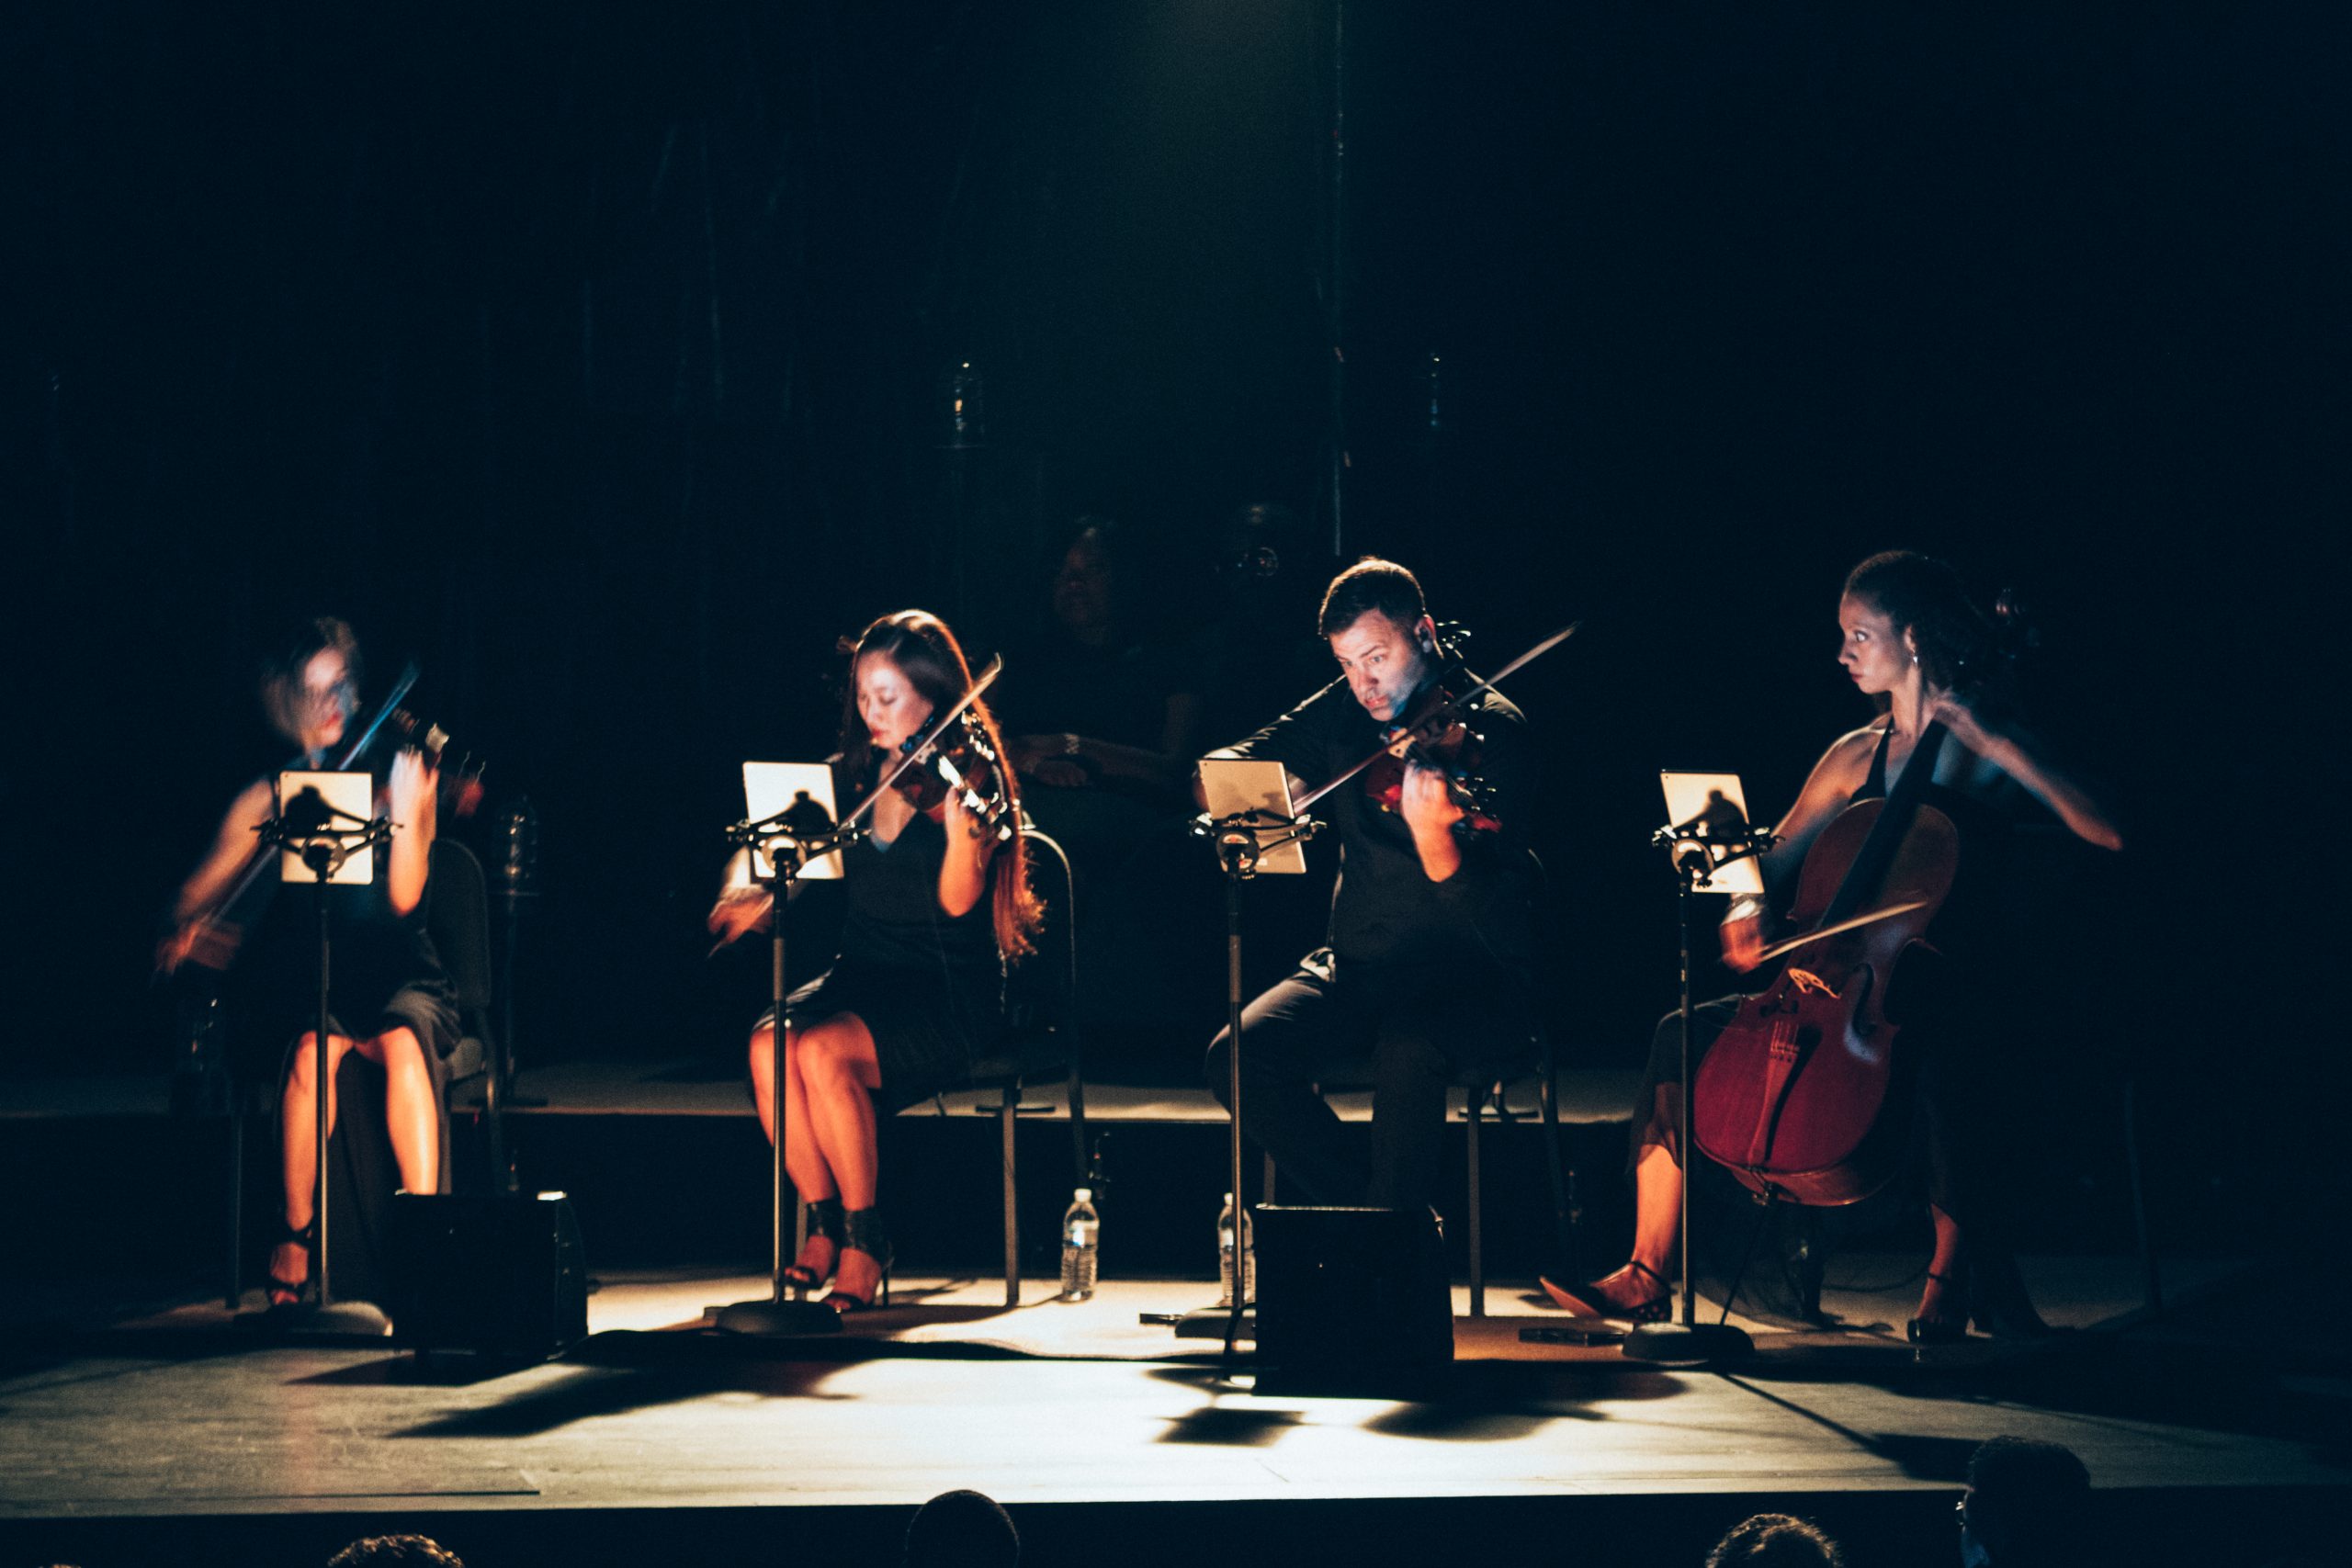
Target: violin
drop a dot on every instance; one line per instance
(462, 787)
(1434, 734)
(958, 759)
(1801, 1097)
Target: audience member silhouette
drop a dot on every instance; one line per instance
(2024, 1506)
(962, 1529)
(1775, 1540)
(395, 1552)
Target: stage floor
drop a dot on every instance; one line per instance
(188, 1416)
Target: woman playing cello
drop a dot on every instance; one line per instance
(1911, 639)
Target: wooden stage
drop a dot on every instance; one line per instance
(1107, 1437)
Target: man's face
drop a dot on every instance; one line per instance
(1384, 662)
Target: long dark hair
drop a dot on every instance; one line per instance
(930, 659)
(1961, 649)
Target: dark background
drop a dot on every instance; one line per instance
(556, 347)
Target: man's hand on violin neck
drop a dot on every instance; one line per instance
(1427, 802)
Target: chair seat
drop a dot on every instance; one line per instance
(1033, 1055)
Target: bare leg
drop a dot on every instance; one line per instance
(1657, 1225)
(411, 1112)
(802, 1159)
(1940, 1298)
(836, 1062)
(298, 1154)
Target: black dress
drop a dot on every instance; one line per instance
(929, 985)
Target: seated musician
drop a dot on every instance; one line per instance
(1911, 639)
(388, 998)
(937, 906)
(1426, 970)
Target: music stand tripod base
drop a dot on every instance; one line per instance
(325, 1320)
(1686, 1342)
(773, 1319)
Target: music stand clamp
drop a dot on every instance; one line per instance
(789, 846)
(1697, 855)
(1240, 842)
(324, 847)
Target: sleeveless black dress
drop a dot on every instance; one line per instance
(929, 985)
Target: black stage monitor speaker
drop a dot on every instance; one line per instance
(505, 1275)
(1351, 1300)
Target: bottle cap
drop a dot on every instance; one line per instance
(1086, 1194)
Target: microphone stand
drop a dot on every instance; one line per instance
(1240, 841)
(323, 848)
(789, 849)
(1697, 857)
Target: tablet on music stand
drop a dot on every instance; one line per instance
(1231, 786)
(332, 801)
(770, 788)
(1698, 804)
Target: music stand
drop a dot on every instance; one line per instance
(1701, 848)
(325, 843)
(1256, 833)
(784, 845)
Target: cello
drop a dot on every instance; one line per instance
(1805, 1095)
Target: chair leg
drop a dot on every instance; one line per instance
(1477, 1246)
(1007, 1115)
(1564, 1204)
(233, 1293)
(2152, 1286)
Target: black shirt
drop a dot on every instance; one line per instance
(1386, 909)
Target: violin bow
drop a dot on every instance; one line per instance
(1533, 654)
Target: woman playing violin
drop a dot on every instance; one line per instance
(388, 998)
(938, 904)
(1909, 639)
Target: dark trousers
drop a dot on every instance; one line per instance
(1409, 1033)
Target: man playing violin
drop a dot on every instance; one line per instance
(1425, 971)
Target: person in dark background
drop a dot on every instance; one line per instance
(390, 1001)
(937, 906)
(1775, 1540)
(1910, 638)
(2024, 1505)
(1430, 936)
(961, 1530)
(1095, 704)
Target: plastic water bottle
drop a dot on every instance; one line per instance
(1224, 1257)
(1082, 1244)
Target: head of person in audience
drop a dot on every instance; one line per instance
(1775, 1540)
(2024, 1506)
(1093, 582)
(962, 1529)
(310, 683)
(395, 1552)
